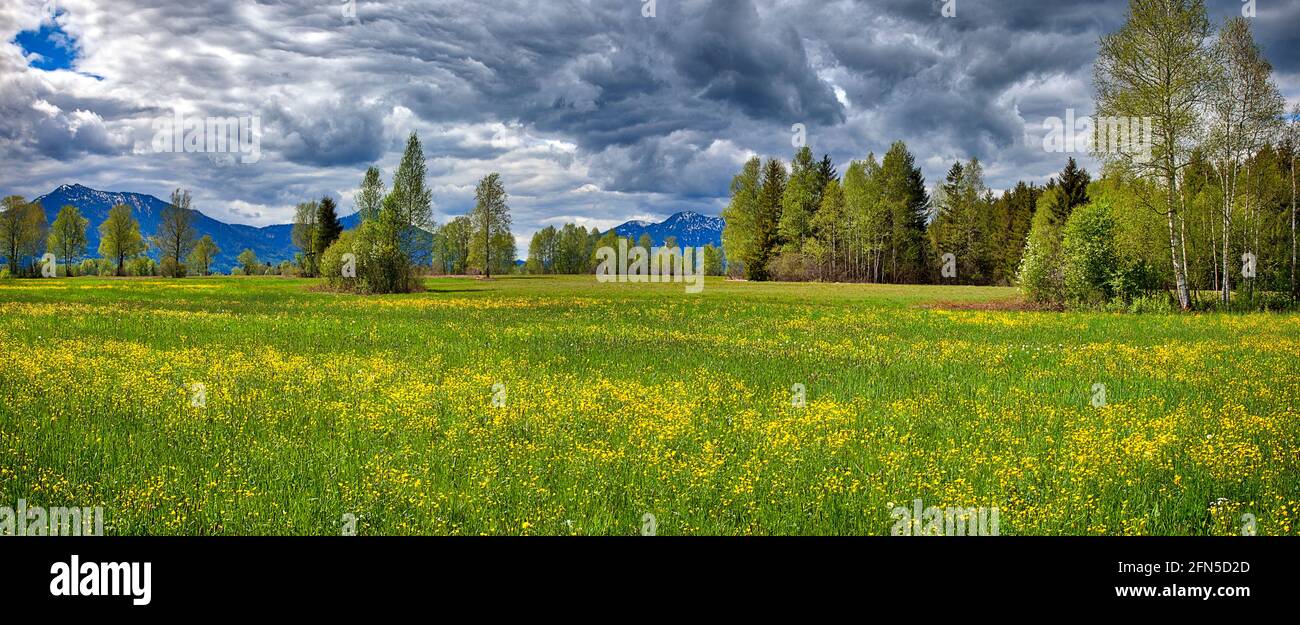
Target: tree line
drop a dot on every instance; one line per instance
(25, 232)
(877, 222)
(571, 249)
(1220, 150)
(396, 240)
(397, 237)
(1208, 208)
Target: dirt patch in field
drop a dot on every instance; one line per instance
(1013, 304)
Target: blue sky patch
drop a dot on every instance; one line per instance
(49, 47)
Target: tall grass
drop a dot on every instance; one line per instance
(618, 400)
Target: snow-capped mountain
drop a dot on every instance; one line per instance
(691, 229)
(271, 243)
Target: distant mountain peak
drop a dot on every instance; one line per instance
(689, 228)
(271, 243)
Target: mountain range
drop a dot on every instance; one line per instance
(274, 243)
(690, 228)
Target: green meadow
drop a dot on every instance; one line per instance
(557, 405)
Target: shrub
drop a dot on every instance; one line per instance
(1090, 262)
(1041, 277)
(791, 267)
(141, 266)
(331, 261)
(170, 268)
(1152, 303)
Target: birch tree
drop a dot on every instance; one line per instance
(1157, 67)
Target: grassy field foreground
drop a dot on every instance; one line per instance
(621, 400)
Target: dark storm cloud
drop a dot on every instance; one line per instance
(761, 68)
(590, 110)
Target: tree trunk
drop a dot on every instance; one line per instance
(1180, 275)
(1229, 184)
(1294, 293)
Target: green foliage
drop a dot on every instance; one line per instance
(963, 223)
(451, 245)
(414, 202)
(1090, 263)
(304, 234)
(200, 259)
(715, 263)
(67, 238)
(767, 218)
(1041, 272)
(141, 266)
(247, 260)
(22, 231)
(176, 235)
(739, 235)
(328, 227)
(119, 237)
(332, 262)
(370, 197)
(492, 246)
(382, 263)
(800, 200)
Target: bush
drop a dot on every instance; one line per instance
(1041, 277)
(1152, 303)
(331, 261)
(792, 267)
(141, 266)
(170, 268)
(1090, 262)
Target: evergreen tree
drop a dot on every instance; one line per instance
(328, 227)
(1074, 183)
(767, 235)
(799, 202)
(903, 189)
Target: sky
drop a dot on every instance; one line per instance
(594, 112)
